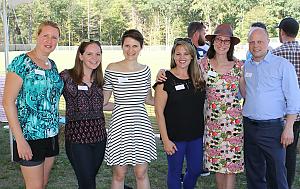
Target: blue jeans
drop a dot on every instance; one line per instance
(193, 152)
(86, 160)
(264, 154)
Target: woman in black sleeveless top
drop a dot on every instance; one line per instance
(179, 104)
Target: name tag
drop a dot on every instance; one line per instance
(122, 79)
(248, 74)
(200, 53)
(39, 72)
(50, 133)
(179, 87)
(82, 88)
(211, 73)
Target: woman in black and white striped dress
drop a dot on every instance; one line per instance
(130, 138)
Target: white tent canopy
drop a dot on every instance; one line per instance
(11, 4)
(14, 3)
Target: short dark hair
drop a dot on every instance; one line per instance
(259, 24)
(193, 27)
(135, 34)
(290, 26)
(211, 51)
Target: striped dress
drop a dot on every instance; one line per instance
(130, 138)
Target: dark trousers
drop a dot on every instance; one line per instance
(264, 154)
(86, 160)
(291, 152)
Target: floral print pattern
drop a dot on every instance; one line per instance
(38, 98)
(224, 130)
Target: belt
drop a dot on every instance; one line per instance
(265, 121)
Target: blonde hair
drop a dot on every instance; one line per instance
(47, 23)
(193, 70)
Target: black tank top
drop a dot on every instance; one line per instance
(184, 109)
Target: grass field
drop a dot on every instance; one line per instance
(63, 177)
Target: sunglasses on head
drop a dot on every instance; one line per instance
(185, 39)
(90, 41)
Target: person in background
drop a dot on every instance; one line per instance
(179, 105)
(224, 129)
(290, 49)
(196, 32)
(85, 133)
(130, 140)
(31, 96)
(272, 92)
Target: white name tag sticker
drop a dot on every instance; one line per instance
(211, 73)
(39, 72)
(50, 133)
(200, 53)
(248, 74)
(82, 88)
(179, 87)
(122, 79)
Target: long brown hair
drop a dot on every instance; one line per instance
(76, 72)
(193, 69)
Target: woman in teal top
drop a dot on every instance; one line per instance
(31, 96)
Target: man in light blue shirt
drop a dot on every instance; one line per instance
(272, 92)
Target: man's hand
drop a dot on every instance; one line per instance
(287, 136)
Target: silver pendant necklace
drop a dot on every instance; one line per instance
(41, 60)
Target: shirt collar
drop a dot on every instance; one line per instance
(290, 42)
(267, 58)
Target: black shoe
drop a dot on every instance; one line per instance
(181, 177)
(205, 173)
(127, 187)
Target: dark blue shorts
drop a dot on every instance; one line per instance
(40, 148)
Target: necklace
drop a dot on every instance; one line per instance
(39, 59)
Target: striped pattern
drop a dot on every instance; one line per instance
(130, 138)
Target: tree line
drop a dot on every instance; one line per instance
(160, 21)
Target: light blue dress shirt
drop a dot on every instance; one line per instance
(272, 89)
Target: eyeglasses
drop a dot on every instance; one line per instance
(185, 39)
(221, 41)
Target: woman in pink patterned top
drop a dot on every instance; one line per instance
(224, 130)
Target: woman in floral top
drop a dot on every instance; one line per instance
(31, 95)
(224, 131)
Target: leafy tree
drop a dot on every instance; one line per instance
(160, 21)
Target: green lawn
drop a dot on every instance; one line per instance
(62, 175)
